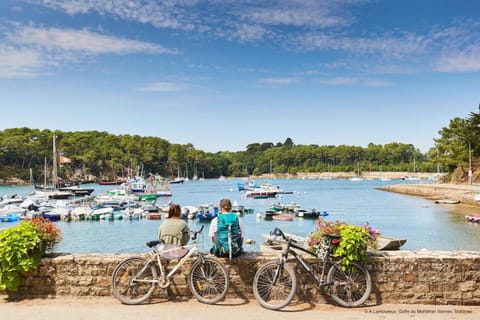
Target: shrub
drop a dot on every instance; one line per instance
(22, 246)
(353, 244)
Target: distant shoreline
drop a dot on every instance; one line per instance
(300, 175)
(351, 174)
(463, 193)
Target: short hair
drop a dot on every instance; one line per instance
(226, 204)
(174, 211)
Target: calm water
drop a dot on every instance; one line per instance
(423, 223)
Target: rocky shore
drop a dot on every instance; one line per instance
(464, 194)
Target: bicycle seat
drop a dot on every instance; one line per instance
(153, 243)
(172, 252)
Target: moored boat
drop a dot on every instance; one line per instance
(45, 193)
(52, 216)
(240, 210)
(153, 216)
(77, 191)
(471, 218)
(264, 191)
(12, 209)
(447, 201)
(207, 213)
(10, 217)
(189, 212)
(111, 182)
(388, 243)
(147, 196)
(282, 217)
(310, 214)
(99, 212)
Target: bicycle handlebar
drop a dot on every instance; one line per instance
(278, 232)
(195, 233)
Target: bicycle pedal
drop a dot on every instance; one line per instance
(307, 287)
(165, 292)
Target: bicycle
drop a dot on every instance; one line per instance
(134, 279)
(275, 282)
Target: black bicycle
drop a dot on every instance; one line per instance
(275, 282)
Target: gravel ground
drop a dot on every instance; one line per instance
(109, 308)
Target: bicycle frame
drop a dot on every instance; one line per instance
(155, 255)
(192, 251)
(288, 250)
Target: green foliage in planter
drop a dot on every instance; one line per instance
(353, 246)
(17, 246)
(22, 246)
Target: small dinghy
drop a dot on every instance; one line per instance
(471, 218)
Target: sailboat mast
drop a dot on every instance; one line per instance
(45, 174)
(54, 164)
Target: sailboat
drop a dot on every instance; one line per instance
(357, 177)
(55, 191)
(186, 172)
(178, 179)
(51, 192)
(382, 178)
(412, 177)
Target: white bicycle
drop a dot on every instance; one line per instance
(134, 279)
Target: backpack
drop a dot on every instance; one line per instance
(228, 239)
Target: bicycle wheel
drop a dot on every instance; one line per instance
(132, 280)
(349, 288)
(208, 280)
(271, 294)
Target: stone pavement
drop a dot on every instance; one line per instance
(100, 308)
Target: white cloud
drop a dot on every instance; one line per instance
(297, 25)
(10, 57)
(458, 47)
(303, 14)
(279, 81)
(386, 45)
(376, 83)
(366, 82)
(248, 33)
(161, 14)
(244, 20)
(465, 61)
(83, 41)
(338, 81)
(15, 73)
(18, 63)
(162, 87)
(27, 50)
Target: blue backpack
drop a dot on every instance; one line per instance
(228, 238)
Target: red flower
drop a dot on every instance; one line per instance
(47, 231)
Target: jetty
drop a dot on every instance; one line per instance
(439, 192)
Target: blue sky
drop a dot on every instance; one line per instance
(222, 74)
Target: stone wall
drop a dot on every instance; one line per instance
(408, 277)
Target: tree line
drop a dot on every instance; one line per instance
(108, 156)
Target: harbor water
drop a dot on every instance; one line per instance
(423, 223)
